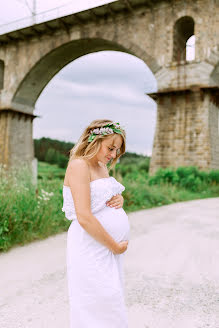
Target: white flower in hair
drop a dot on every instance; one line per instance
(110, 128)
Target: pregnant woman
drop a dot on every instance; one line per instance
(99, 233)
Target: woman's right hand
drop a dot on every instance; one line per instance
(121, 247)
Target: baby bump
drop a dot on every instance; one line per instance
(115, 222)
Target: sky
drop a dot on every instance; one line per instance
(106, 84)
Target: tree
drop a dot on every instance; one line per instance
(51, 156)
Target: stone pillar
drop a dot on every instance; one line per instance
(214, 127)
(16, 142)
(187, 129)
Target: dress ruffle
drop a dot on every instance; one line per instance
(99, 196)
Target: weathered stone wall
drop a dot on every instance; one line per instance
(4, 138)
(1, 74)
(16, 142)
(146, 33)
(214, 134)
(186, 132)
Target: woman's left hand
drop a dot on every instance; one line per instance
(116, 201)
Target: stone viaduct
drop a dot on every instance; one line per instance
(187, 129)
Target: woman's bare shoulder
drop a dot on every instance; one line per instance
(76, 166)
(78, 163)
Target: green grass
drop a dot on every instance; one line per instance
(166, 187)
(28, 214)
(50, 171)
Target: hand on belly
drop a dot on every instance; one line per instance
(116, 223)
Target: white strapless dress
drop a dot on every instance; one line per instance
(94, 273)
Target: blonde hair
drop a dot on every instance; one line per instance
(86, 150)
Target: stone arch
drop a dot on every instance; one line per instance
(42, 72)
(2, 68)
(183, 29)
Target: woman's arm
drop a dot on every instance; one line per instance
(79, 182)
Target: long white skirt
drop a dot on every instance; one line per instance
(95, 275)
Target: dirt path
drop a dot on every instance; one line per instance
(171, 271)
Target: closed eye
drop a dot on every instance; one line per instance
(117, 152)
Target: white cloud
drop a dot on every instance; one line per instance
(118, 92)
(108, 67)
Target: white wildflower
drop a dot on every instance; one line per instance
(96, 131)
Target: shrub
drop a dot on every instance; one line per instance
(214, 176)
(62, 161)
(144, 166)
(186, 177)
(51, 156)
(27, 213)
(164, 176)
(185, 171)
(125, 169)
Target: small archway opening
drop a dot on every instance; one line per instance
(2, 67)
(190, 48)
(183, 37)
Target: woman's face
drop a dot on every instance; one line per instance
(109, 148)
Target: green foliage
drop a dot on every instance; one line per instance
(186, 177)
(144, 165)
(50, 172)
(129, 158)
(57, 152)
(132, 164)
(52, 151)
(62, 161)
(51, 156)
(214, 176)
(28, 214)
(164, 175)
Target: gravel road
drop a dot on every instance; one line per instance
(171, 272)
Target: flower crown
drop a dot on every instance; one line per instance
(106, 129)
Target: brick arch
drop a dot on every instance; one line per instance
(50, 64)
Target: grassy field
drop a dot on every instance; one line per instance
(28, 214)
